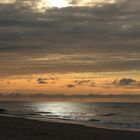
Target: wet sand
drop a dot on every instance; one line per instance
(23, 129)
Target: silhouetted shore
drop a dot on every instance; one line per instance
(22, 129)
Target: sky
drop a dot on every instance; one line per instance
(70, 47)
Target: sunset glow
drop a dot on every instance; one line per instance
(66, 47)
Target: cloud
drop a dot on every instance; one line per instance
(71, 86)
(101, 37)
(7, 1)
(47, 79)
(92, 84)
(41, 81)
(80, 82)
(126, 82)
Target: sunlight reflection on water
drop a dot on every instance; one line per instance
(118, 115)
(67, 109)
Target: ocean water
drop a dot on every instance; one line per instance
(109, 115)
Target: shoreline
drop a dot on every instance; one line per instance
(14, 128)
(85, 124)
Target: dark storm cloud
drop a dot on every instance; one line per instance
(109, 33)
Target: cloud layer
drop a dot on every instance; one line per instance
(82, 37)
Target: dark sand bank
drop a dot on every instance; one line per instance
(22, 129)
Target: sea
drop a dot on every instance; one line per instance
(122, 116)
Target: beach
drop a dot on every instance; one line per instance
(12, 128)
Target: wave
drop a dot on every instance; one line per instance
(2, 110)
(94, 120)
(109, 114)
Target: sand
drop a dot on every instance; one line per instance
(23, 129)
